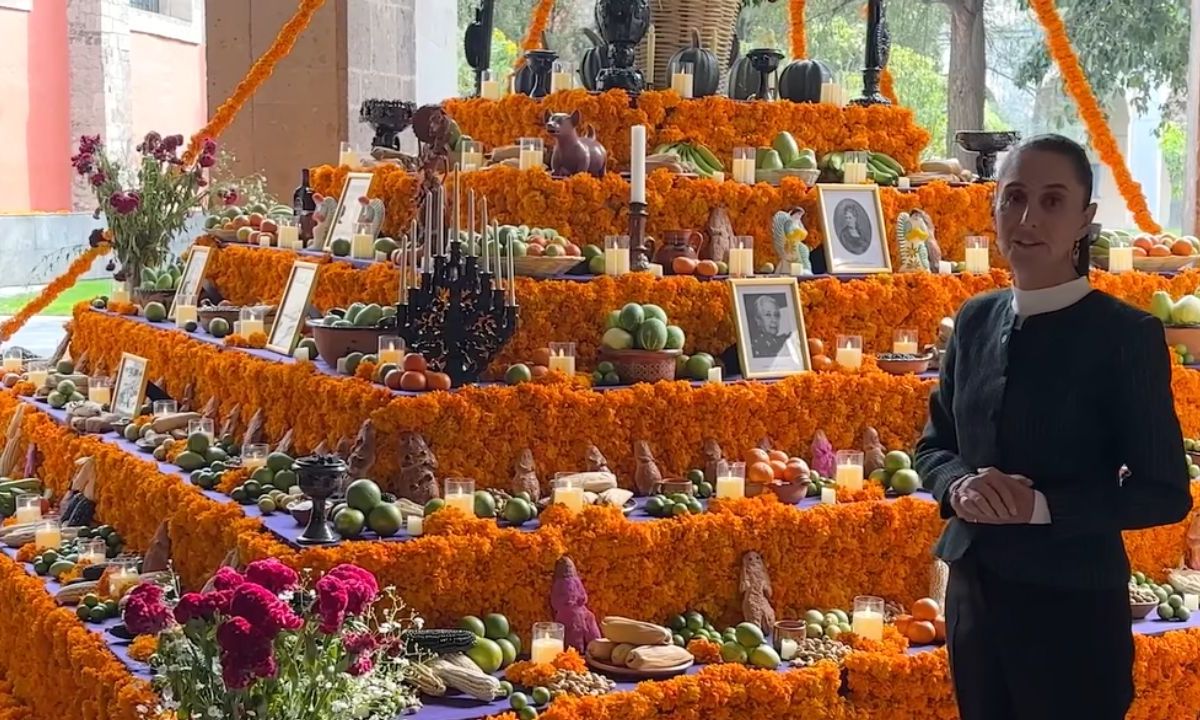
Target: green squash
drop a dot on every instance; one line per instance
(706, 72)
(801, 81)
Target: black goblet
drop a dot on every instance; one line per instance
(319, 477)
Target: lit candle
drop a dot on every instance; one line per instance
(119, 293)
(47, 536)
(362, 243)
(461, 494)
(637, 164)
(415, 525)
(828, 496)
(489, 86)
(867, 621)
(29, 508)
(532, 154)
(905, 342)
(562, 358)
(37, 376)
(977, 254)
(568, 491)
(743, 165)
(849, 351)
(788, 649)
(249, 327)
(1191, 601)
(94, 551)
(714, 376)
(547, 642)
(562, 76)
(99, 393)
(741, 257)
(391, 350)
(185, 314)
(648, 71)
(472, 155)
(731, 480)
(254, 456)
(849, 470)
(347, 155)
(1120, 259)
(683, 80)
(289, 234)
(616, 255)
(13, 363)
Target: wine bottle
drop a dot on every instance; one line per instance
(304, 204)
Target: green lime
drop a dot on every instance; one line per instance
(732, 652)
(677, 640)
(526, 713)
(815, 630)
(678, 622)
(506, 688)
(748, 635)
(434, 505)
(495, 626)
(518, 701)
(1182, 614)
(654, 506)
(1166, 612)
(695, 476)
(97, 614)
(474, 624)
(694, 620)
(704, 489)
(694, 506)
(83, 612)
(680, 509)
(541, 696)
(91, 600)
(1175, 601)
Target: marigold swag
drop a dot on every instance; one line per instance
(57, 286)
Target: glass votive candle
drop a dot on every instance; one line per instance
(36, 372)
(123, 576)
(904, 342)
(568, 491)
(1120, 258)
(287, 233)
(867, 620)
(731, 480)
(250, 321)
(490, 85)
(29, 508)
(531, 153)
(547, 643)
(828, 496)
(562, 75)
(849, 351)
(472, 155)
(741, 257)
(787, 637)
(362, 242)
(93, 551)
(977, 254)
(163, 408)
(254, 455)
(849, 470)
(203, 426)
(683, 79)
(48, 535)
(118, 292)
(562, 358)
(14, 361)
(391, 349)
(616, 254)
(460, 493)
(347, 155)
(415, 524)
(744, 165)
(100, 390)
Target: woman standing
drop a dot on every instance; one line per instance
(1046, 391)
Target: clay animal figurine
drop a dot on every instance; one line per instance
(569, 599)
(872, 451)
(594, 460)
(647, 477)
(914, 230)
(720, 236)
(362, 453)
(188, 398)
(824, 459)
(788, 234)
(211, 408)
(756, 592)
(525, 479)
(712, 457)
(417, 464)
(574, 153)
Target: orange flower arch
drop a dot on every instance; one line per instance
(799, 42)
(57, 287)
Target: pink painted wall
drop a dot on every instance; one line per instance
(169, 86)
(35, 172)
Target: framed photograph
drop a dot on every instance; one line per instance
(188, 292)
(289, 320)
(129, 387)
(348, 208)
(770, 327)
(852, 220)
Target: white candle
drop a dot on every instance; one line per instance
(562, 81)
(530, 159)
(13, 364)
(489, 89)
(904, 348)
(849, 357)
(545, 649)
(416, 525)
(301, 354)
(797, 269)
(850, 477)
(48, 535)
(637, 166)
(977, 260)
(741, 262)
(828, 496)
(743, 170)
(362, 246)
(682, 83)
(29, 514)
(904, 183)
(714, 375)
(185, 314)
(571, 497)
(119, 294)
(649, 69)
(289, 236)
(867, 624)
(348, 156)
(462, 501)
(788, 649)
(616, 261)
(731, 487)
(1120, 259)
(563, 363)
(654, 269)
(37, 377)
(718, 176)
(249, 327)
(1191, 601)
(264, 240)
(99, 394)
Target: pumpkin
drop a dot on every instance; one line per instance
(706, 73)
(801, 81)
(743, 79)
(594, 60)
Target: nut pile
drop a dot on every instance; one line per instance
(814, 650)
(579, 684)
(1142, 594)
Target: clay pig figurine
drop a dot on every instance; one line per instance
(573, 153)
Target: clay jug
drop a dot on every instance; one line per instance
(678, 243)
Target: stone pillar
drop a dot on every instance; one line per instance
(98, 47)
(1191, 195)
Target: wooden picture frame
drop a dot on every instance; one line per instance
(844, 208)
(192, 279)
(293, 308)
(763, 351)
(357, 185)
(129, 387)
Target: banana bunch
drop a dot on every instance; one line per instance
(881, 168)
(694, 156)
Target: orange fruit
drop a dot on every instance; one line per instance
(902, 623)
(779, 455)
(795, 471)
(541, 356)
(1182, 248)
(539, 371)
(706, 268)
(822, 363)
(437, 381)
(921, 632)
(413, 381)
(1144, 243)
(757, 455)
(415, 362)
(534, 250)
(760, 473)
(939, 627)
(1160, 251)
(683, 265)
(926, 609)
(816, 346)
(779, 468)
(1139, 252)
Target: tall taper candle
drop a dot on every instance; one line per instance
(471, 222)
(637, 166)
(484, 230)
(441, 212)
(427, 263)
(512, 279)
(648, 71)
(457, 206)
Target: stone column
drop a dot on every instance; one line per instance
(381, 44)
(1191, 195)
(98, 47)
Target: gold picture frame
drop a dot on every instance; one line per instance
(192, 278)
(764, 352)
(842, 235)
(289, 320)
(357, 185)
(129, 387)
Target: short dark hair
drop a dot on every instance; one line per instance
(1066, 147)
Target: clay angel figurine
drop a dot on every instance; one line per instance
(755, 587)
(872, 451)
(594, 460)
(417, 464)
(525, 479)
(569, 600)
(919, 251)
(712, 457)
(824, 459)
(323, 218)
(788, 234)
(647, 477)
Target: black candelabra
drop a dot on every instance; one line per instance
(623, 24)
(879, 47)
(458, 302)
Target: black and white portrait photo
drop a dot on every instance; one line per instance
(770, 327)
(852, 220)
(129, 388)
(289, 321)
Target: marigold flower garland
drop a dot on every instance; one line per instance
(799, 44)
(533, 36)
(57, 286)
(887, 87)
(1065, 57)
(262, 69)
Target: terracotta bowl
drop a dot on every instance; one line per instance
(790, 493)
(1188, 336)
(335, 343)
(904, 367)
(1141, 610)
(756, 489)
(634, 366)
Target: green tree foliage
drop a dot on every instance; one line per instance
(1172, 141)
(1132, 45)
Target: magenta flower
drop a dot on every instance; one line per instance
(150, 143)
(207, 161)
(361, 665)
(272, 574)
(266, 613)
(332, 599)
(98, 178)
(145, 612)
(89, 144)
(210, 146)
(361, 587)
(359, 643)
(246, 654)
(196, 606)
(125, 202)
(227, 578)
(83, 163)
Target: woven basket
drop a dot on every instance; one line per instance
(635, 366)
(674, 21)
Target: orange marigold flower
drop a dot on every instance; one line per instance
(142, 647)
(50, 293)
(706, 652)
